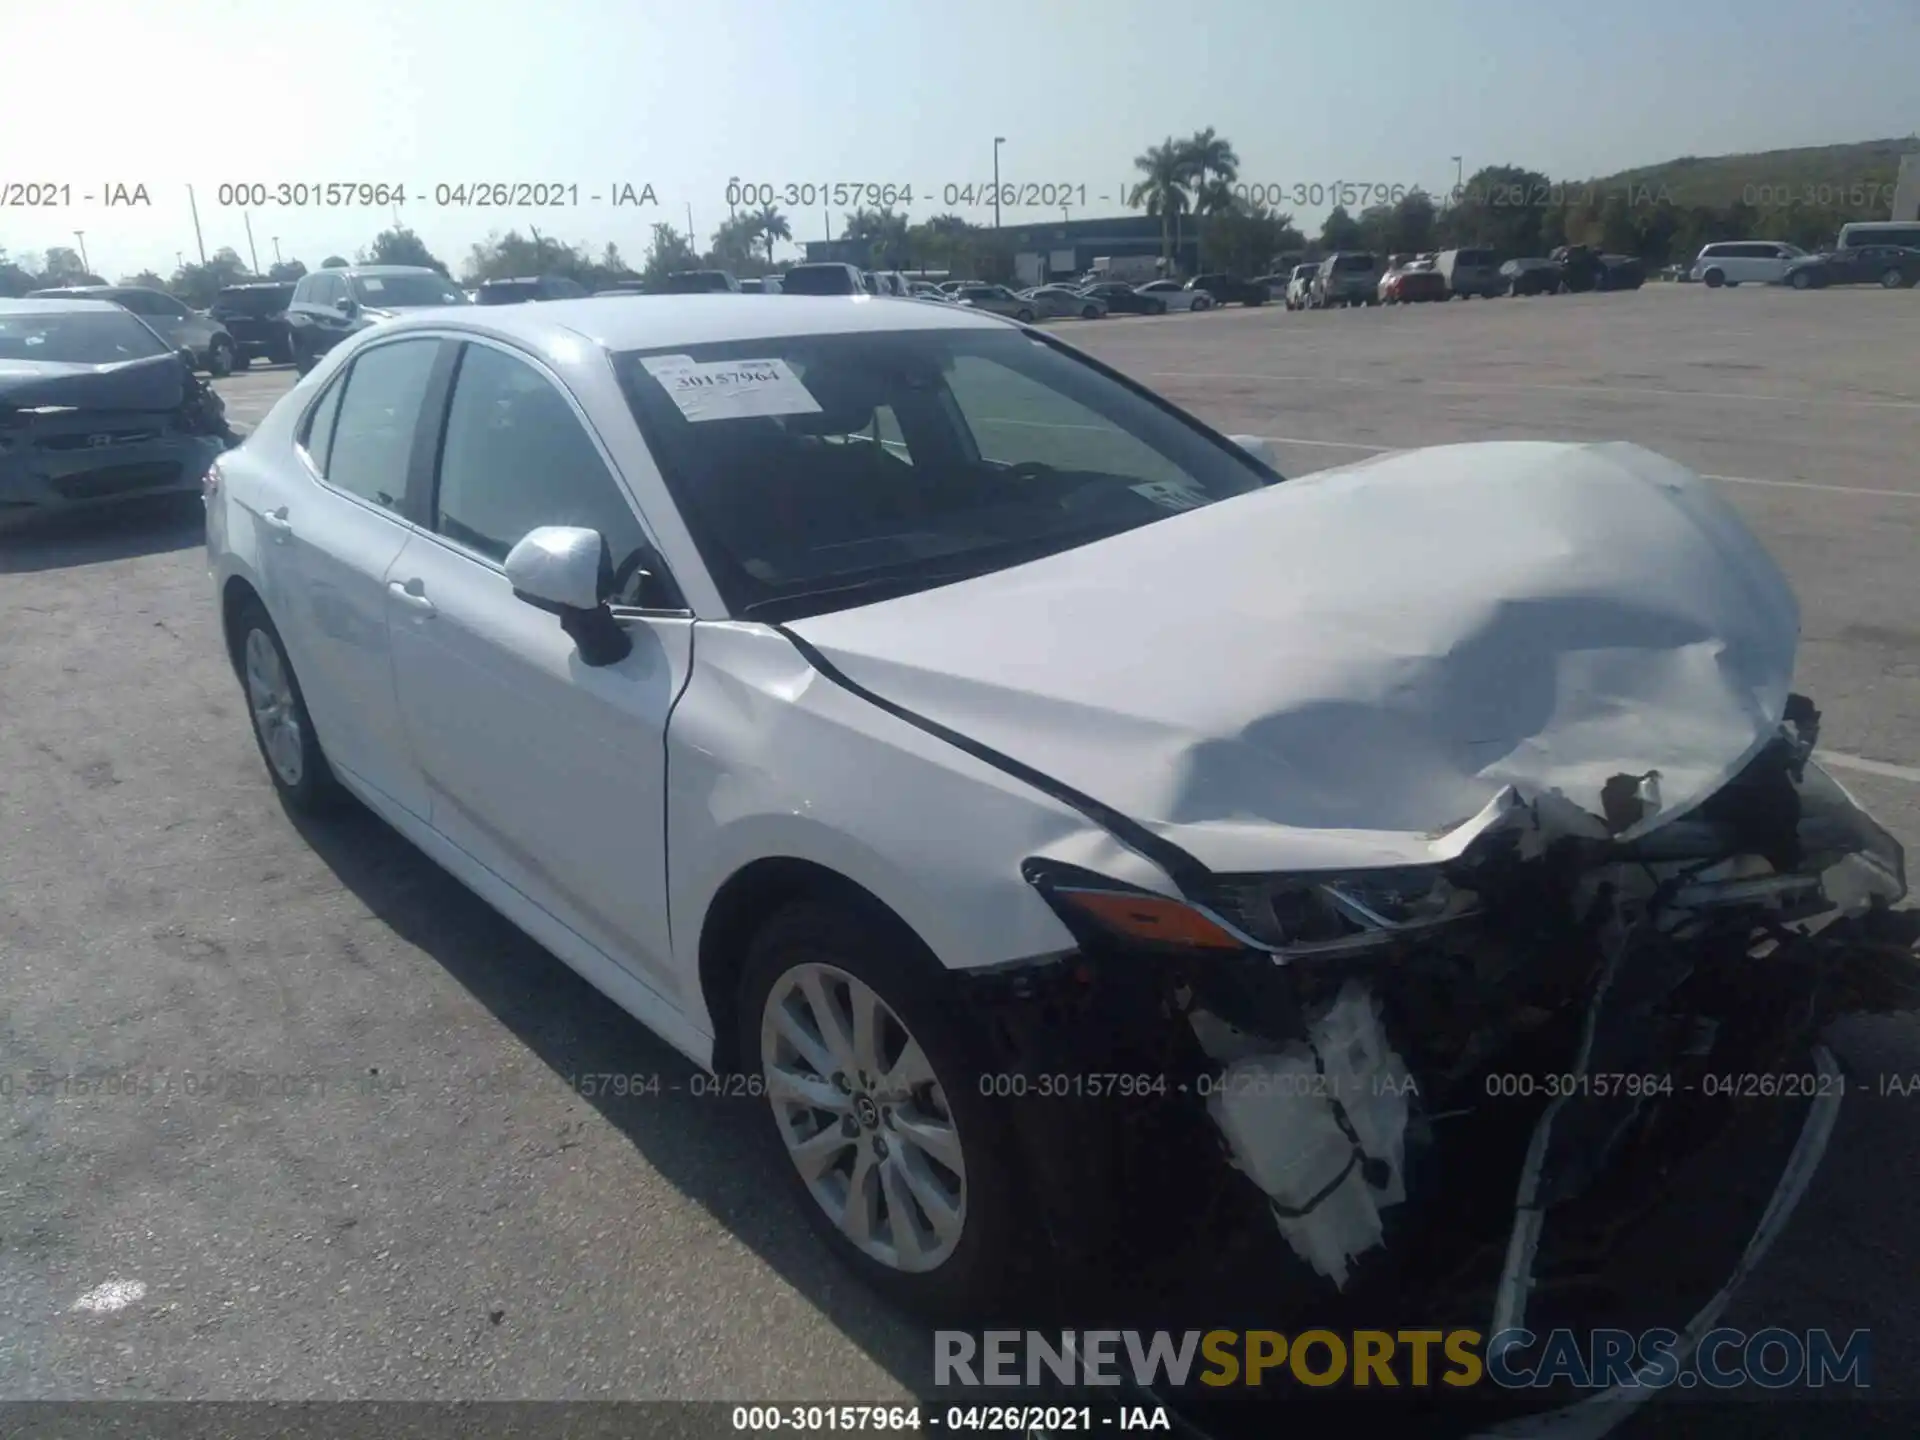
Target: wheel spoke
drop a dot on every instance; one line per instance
(937, 1138)
(940, 1208)
(791, 1085)
(863, 1198)
(911, 1069)
(828, 1020)
(869, 1015)
(791, 1028)
(902, 1219)
(816, 1155)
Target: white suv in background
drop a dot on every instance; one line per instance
(1732, 262)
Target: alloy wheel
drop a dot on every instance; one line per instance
(865, 1119)
(275, 717)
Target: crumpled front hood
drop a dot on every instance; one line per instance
(1346, 669)
(156, 383)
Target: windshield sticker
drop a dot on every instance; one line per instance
(371, 282)
(731, 389)
(1172, 496)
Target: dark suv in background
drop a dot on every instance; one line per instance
(329, 305)
(1229, 290)
(256, 317)
(526, 288)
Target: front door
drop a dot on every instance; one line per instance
(550, 772)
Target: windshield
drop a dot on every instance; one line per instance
(390, 292)
(78, 337)
(827, 470)
(509, 292)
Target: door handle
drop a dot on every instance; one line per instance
(277, 521)
(412, 594)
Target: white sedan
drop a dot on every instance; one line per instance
(1177, 296)
(1056, 825)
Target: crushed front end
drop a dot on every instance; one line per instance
(1568, 1078)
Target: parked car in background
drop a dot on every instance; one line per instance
(624, 287)
(926, 290)
(255, 315)
(891, 283)
(751, 286)
(1123, 299)
(1275, 286)
(97, 406)
(182, 327)
(1177, 296)
(1675, 274)
(527, 288)
(1300, 286)
(1230, 289)
(825, 277)
(329, 305)
(1533, 275)
(1621, 272)
(1471, 272)
(1415, 282)
(1902, 233)
(1580, 267)
(1347, 277)
(1892, 267)
(700, 282)
(1740, 262)
(1052, 302)
(998, 300)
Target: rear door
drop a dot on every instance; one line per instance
(333, 544)
(549, 772)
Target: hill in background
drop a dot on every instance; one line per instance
(1811, 175)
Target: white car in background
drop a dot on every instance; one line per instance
(1177, 296)
(1300, 286)
(1737, 262)
(903, 714)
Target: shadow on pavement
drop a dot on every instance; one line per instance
(149, 526)
(714, 1151)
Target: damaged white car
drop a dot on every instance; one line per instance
(1075, 837)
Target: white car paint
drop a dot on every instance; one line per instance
(1739, 262)
(1389, 645)
(1177, 296)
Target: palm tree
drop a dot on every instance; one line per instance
(1211, 157)
(1164, 190)
(950, 230)
(769, 224)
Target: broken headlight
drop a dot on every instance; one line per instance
(1321, 913)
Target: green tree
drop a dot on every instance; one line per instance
(1340, 231)
(1503, 208)
(334, 262)
(62, 266)
(884, 233)
(1163, 191)
(286, 270)
(770, 225)
(1415, 225)
(668, 252)
(145, 280)
(733, 245)
(1213, 166)
(401, 246)
(196, 284)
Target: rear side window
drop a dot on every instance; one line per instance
(373, 436)
(316, 433)
(1474, 257)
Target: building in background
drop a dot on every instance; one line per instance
(1049, 250)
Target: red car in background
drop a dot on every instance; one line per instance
(1411, 283)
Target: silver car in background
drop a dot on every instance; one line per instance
(998, 300)
(1052, 302)
(182, 327)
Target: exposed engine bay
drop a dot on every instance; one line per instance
(1458, 1089)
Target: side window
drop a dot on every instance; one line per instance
(302, 290)
(517, 457)
(1015, 421)
(137, 301)
(167, 307)
(373, 438)
(316, 433)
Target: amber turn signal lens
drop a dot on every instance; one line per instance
(1151, 918)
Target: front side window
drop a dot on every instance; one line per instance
(516, 457)
(77, 337)
(379, 412)
(392, 292)
(816, 471)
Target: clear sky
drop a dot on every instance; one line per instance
(683, 96)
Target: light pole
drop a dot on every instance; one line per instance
(85, 264)
(998, 141)
(1459, 178)
(276, 250)
(253, 255)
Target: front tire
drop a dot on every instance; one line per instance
(1025, 317)
(1892, 279)
(1800, 280)
(1714, 279)
(220, 358)
(282, 727)
(871, 1081)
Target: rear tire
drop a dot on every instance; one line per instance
(220, 358)
(848, 1102)
(1892, 279)
(1025, 317)
(282, 727)
(1714, 279)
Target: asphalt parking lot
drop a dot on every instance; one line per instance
(394, 1173)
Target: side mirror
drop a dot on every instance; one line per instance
(349, 307)
(567, 571)
(1255, 446)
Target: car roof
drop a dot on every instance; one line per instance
(616, 323)
(259, 284)
(81, 303)
(377, 270)
(49, 290)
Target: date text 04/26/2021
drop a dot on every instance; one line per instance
(992, 1419)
